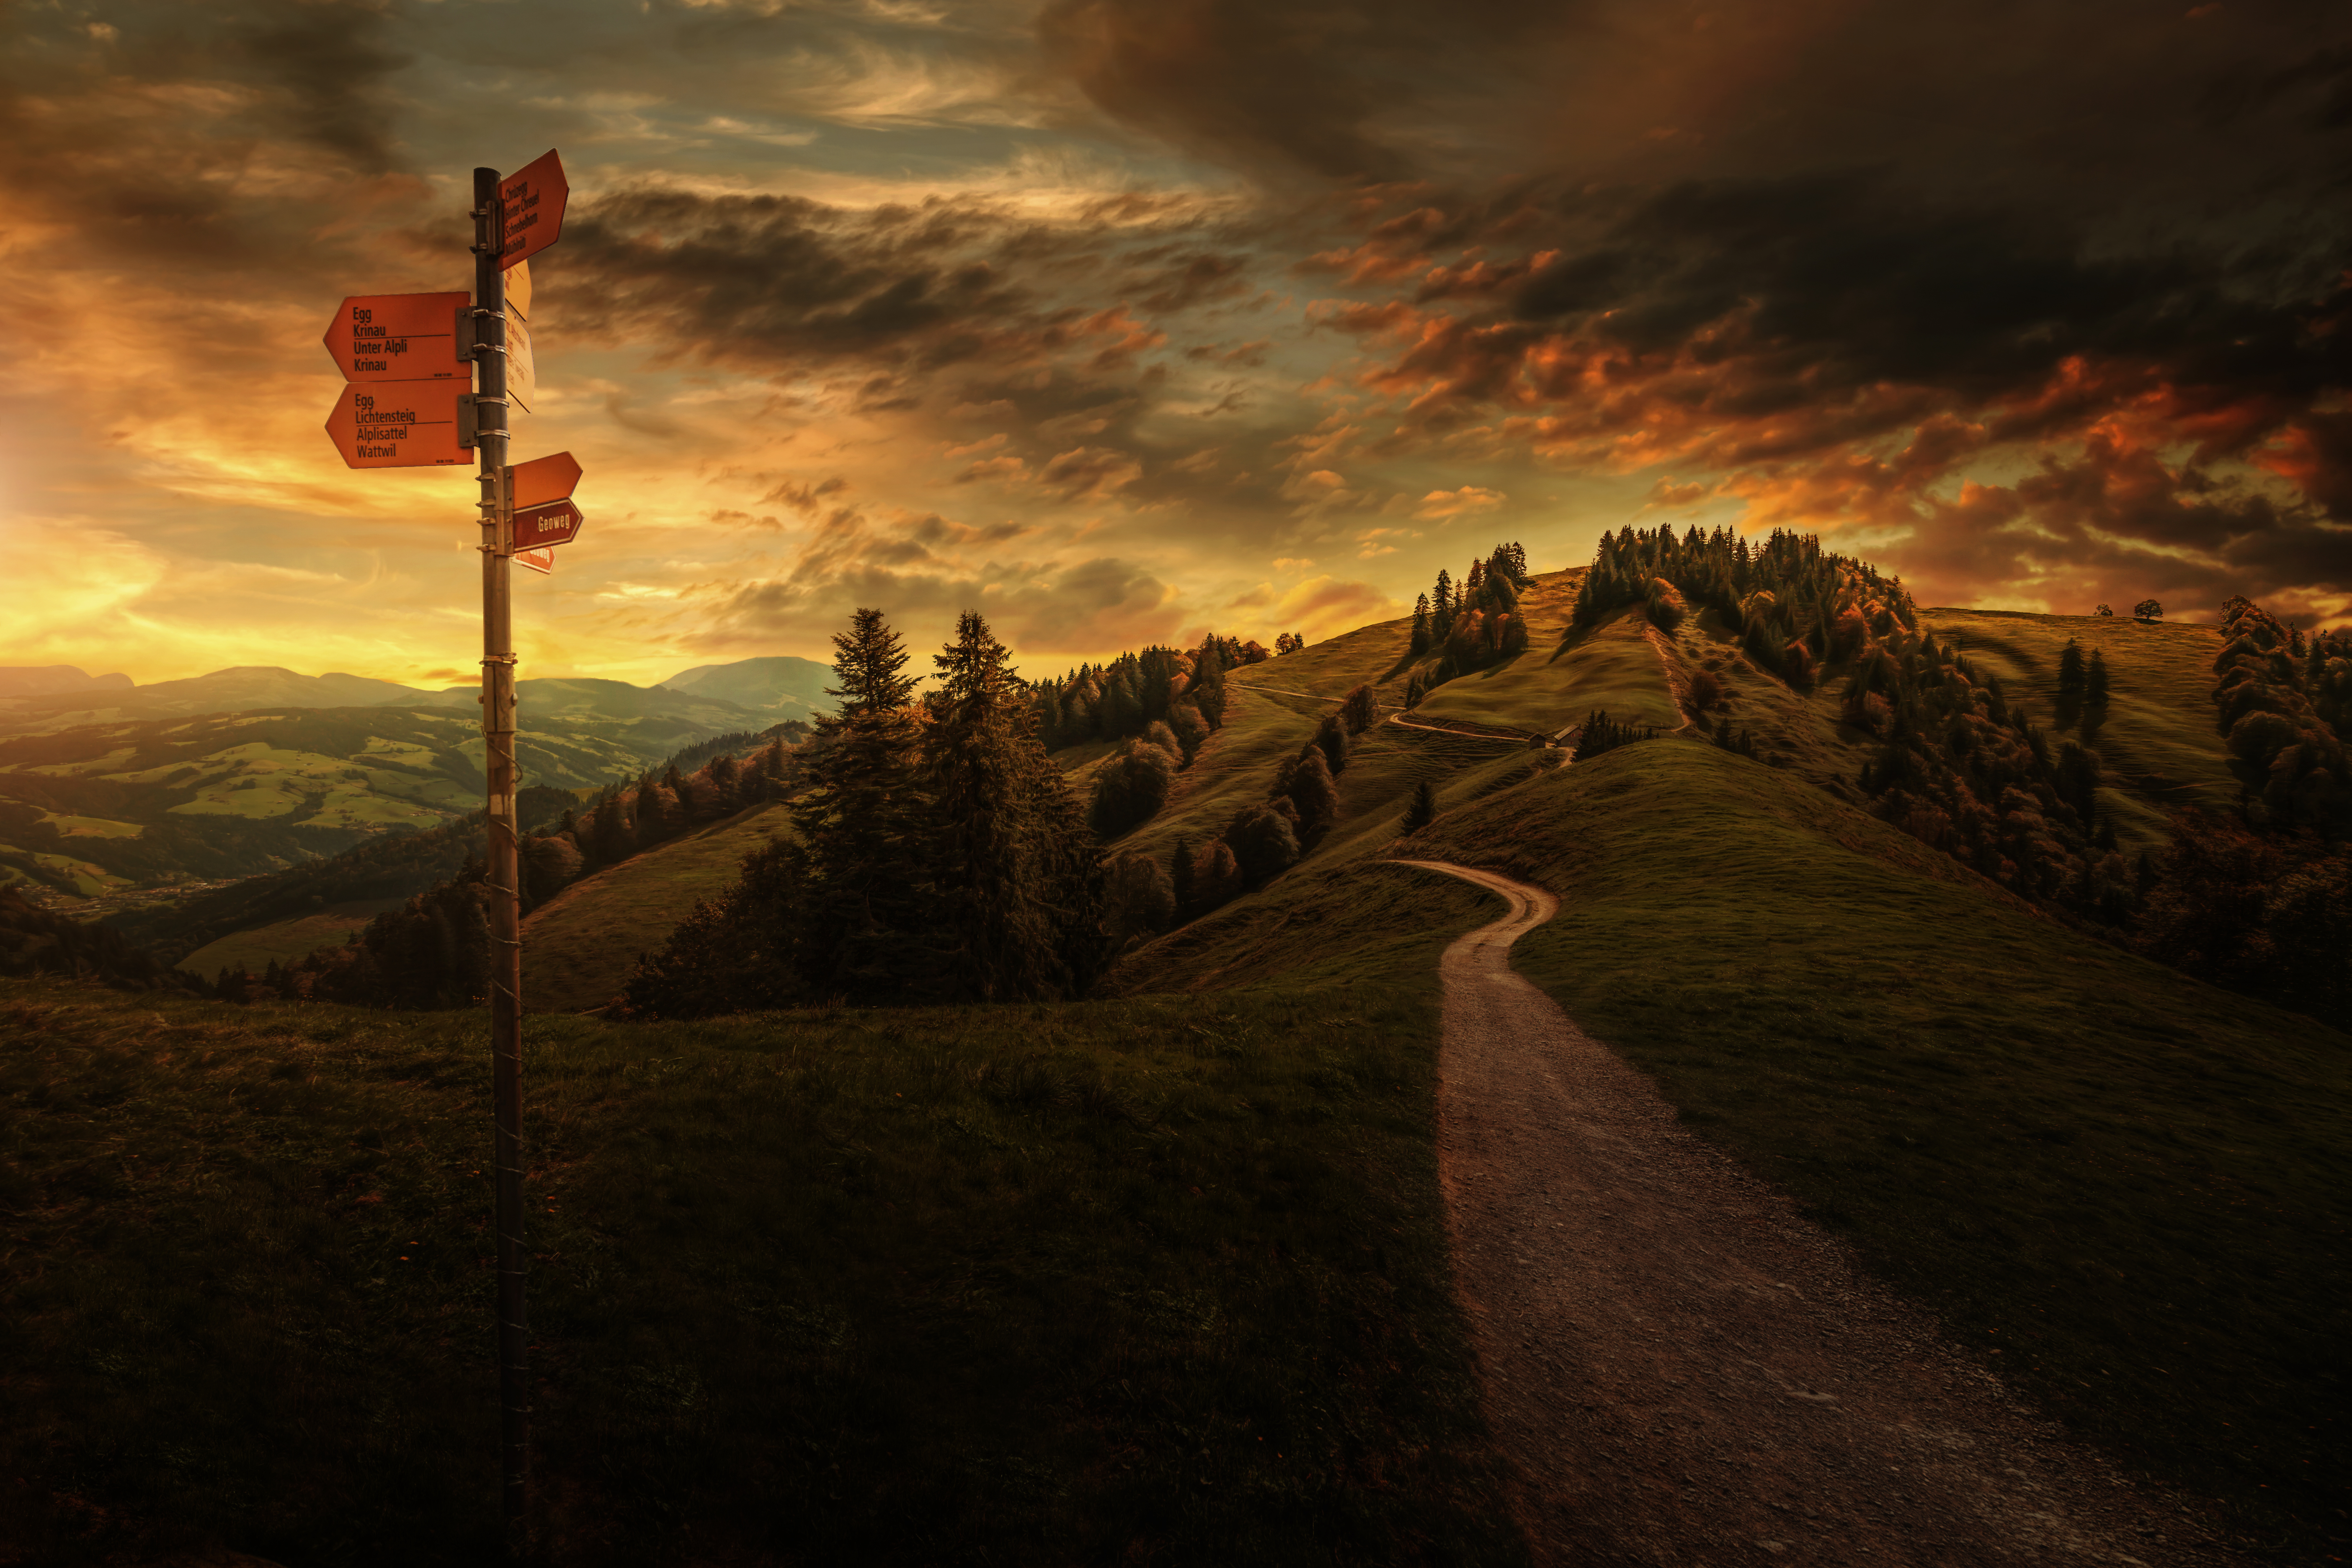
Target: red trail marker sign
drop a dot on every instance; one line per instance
(542, 481)
(533, 201)
(536, 528)
(399, 423)
(539, 560)
(399, 337)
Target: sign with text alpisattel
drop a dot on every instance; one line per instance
(398, 337)
(533, 203)
(399, 423)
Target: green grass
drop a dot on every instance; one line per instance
(1144, 1281)
(578, 948)
(282, 942)
(2131, 1189)
(2158, 746)
(1549, 688)
(91, 826)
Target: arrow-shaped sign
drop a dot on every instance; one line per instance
(557, 522)
(542, 481)
(533, 201)
(398, 337)
(539, 560)
(399, 424)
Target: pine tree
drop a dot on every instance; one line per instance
(610, 841)
(865, 821)
(1420, 625)
(2071, 686)
(1016, 876)
(1423, 809)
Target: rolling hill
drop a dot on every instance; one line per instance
(2123, 1191)
(2074, 1156)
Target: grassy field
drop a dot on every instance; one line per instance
(1551, 687)
(2159, 747)
(1155, 1281)
(578, 947)
(282, 942)
(2131, 1189)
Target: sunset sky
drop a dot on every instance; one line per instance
(1125, 320)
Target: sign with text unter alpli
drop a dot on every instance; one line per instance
(399, 337)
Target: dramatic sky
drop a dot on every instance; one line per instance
(1122, 319)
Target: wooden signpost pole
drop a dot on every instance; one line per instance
(504, 880)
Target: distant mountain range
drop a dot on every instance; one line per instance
(107, 788)
(40, 680)
(787, 687)
(761, 691)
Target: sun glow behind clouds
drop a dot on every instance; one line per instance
(1052, 314)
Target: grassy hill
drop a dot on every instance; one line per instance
(580, 946)
(1133, 1280)
(2125, 1189)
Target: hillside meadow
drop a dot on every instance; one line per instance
(1157, 1279)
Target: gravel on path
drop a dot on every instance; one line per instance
(1683, 1370)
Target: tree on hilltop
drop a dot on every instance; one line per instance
(2147, 610)
(1014, 875)
(864, 822)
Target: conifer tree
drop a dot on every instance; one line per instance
(2070, 684)
(610, 841)
(1358, 709)
(1421, 810)
(1420, 625)
(1016, 876)
(865, 821)
(2095, 695)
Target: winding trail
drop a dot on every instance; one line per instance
(1682, 1369)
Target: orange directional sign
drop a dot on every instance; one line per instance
(557, 522)
(399, 424)
(542, 481)
(398, 337)
(533, 201)
(540, 561)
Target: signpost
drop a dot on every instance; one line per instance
(399, 424)
(532, 202)
(406, 361)
(399, 337)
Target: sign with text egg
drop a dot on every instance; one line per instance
(398, 337)
(399, 424)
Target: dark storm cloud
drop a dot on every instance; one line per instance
(143, 132)
(1317, 87)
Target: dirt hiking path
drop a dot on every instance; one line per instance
(1683, 1369)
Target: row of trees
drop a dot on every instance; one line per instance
(433, 950)
(1184, 690)
(940, 856)
(1471, 625)
(1793, 606)
(1258, 842)
(2263, 904)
